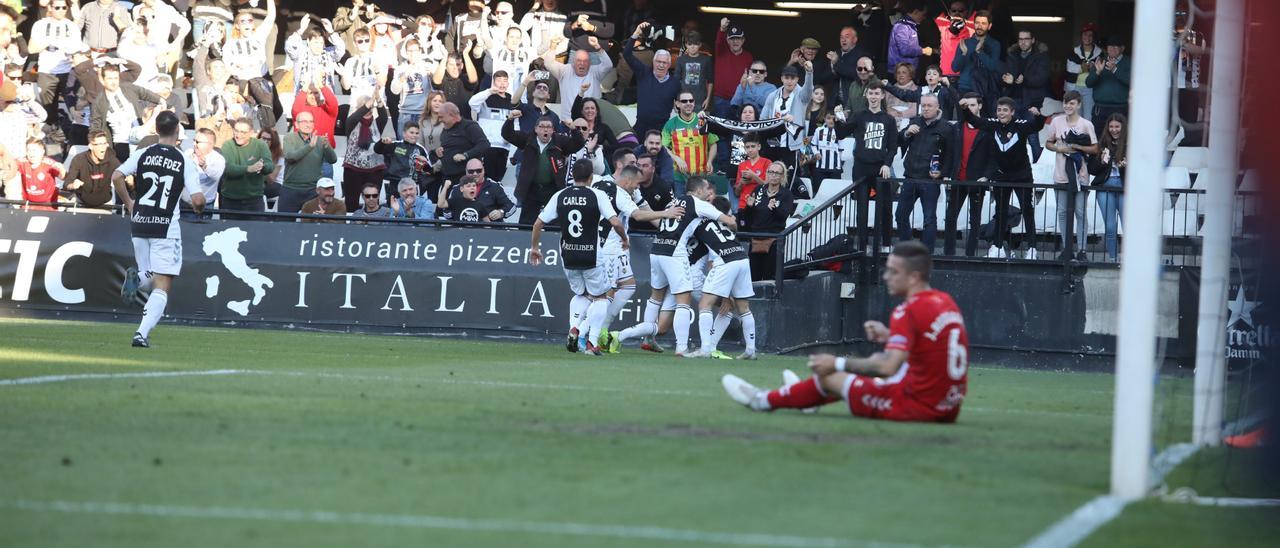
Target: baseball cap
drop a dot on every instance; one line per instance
(1089, 27)
(790, 70)
(325, 182)
(810, 43)
(735, 31)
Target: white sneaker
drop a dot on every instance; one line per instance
(744, 393)
(789, 378)
(1032, 254)
(995, 253)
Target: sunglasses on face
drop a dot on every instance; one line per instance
(58, 8)
(475, 171)
(758, 71)
(680, 101)
(205, 142)
(371, 196)
(863, 69)
(362, 40)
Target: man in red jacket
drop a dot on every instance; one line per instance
(320, 101)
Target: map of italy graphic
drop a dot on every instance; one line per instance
(226, 244)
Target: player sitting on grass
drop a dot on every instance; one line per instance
(920, 376)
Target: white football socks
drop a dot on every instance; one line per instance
(706, 331)
(146, 281)
(749, 331)
(595, 318)
(620, 299)
(153, 311)
(577, 309)
(680, 324)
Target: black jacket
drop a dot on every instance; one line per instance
(1009, 144)
(936, 138)
(561, 146)
(1102, 171)
(465, 138)
(981, 162)
(1034, 70)
(759, 218)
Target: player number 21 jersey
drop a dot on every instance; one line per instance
(160, 176)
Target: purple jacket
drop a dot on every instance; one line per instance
(904, 44)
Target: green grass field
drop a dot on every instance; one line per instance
(356, 440)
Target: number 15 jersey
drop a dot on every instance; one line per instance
(161, 175)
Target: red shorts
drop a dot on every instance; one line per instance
(874, 398)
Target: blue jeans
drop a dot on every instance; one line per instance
(1112, 206)
(721, 108)
(928, 194)
(326, 170)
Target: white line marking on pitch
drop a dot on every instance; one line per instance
(499, 384)
(438, 522)
(1222, 501)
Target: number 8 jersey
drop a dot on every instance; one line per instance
(161, 174)
(581, 211)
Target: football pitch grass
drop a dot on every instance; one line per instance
(314, 439)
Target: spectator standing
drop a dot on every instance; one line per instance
(588, 110)
(856, 95)
(324, 203)
(933, 85)
(246, 55)
(117, 108)
(656, 89)
(1109, 80)
(404, 159)
(89, 175)
(664, 163)
(1026, 79)
(272, 185)
(1079, 62)
(902, 81)
(976, 148)
(930, 149)
(790, 102)
(694, 69)
(752, 89)
(1108, 170)
(362, 165)
(904, 43)
(767, 210)
(247, 165)
(954, 27)
(875, 138)
(1072, 137)
(467, 27)
(311, 57)
(361, 74)
(411, 83)
(751, 171)
(977, 59)
(737, 133)
(542, 159)
(638, 12)
(572, 77)
(305, 153)
(1011, 133)
(460, 141)
(732, 62)
(544, 21)
(318, 99)
(872, 25)
(827, 159)
(102, 22)
(511, 57)
(534, 109)
(209, 168)
(457, 78)
(844, 64)
(691, 145)
(589, 26)
(53, 38)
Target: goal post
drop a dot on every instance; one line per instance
(1215, 269)
(1151, 77)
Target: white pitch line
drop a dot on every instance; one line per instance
(114, 376)
(628, 532)
(1234, 502)
(1081, 523)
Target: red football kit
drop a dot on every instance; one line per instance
(932, 383)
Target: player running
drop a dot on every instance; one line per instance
(920, 376)
(729, 278)
(624, 196)
(582, 210)
(670, 271)
(162, 175)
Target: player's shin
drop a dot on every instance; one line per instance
(749, 331)
(804, 394)
(680, 324)
(718, 329)
(578, 310)
(153, 311)
(706, 331)
(620, 299)
(595, 318)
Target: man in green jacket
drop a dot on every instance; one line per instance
(1109, 80)
(305, 154)
(248, 165)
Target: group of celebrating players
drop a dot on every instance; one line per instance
(922, 374)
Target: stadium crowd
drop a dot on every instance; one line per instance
(371, 114)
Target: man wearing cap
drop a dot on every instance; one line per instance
(822, 74)
(324, 202)
(1109, 79)
(731, 61)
